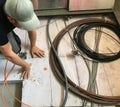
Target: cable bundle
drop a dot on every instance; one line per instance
(56, 68)
(79, 38)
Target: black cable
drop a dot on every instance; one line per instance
(79, 37)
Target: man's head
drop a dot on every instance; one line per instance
(21, 14)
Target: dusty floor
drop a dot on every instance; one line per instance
(42, 88)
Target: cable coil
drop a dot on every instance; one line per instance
(79, 38)
(56, 68)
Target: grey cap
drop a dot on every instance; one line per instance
(23, 12)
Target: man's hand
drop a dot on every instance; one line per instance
(14, 58)
(37, 51)
(25, 72)
(34, 49)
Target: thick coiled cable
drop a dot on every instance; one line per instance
(79, 37)
(56, 68)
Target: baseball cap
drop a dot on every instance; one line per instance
(23, 12)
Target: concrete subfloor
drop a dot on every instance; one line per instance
(42, 87)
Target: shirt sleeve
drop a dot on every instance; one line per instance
(5, 25)
(3, 39)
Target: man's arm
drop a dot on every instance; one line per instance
(35, 4)
(14, 58)
(34, 49)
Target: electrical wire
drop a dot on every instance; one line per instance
(79, 38)
(61, 66)
(92, 76)
(8, 88)
(84, 59)
(82, 93)
(6, 84)
(3, 96)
